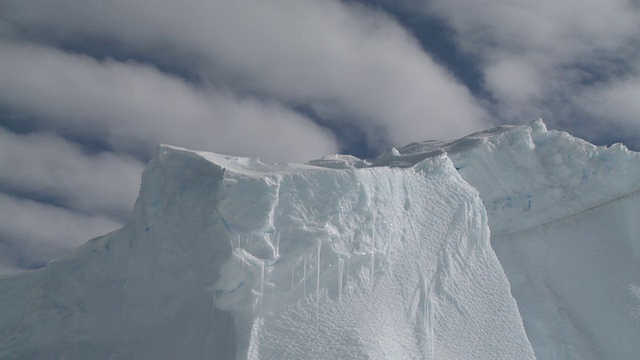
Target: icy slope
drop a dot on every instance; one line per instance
(564, 218)
(229, 258)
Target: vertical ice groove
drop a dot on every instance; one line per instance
(293, 273)
(424, 302)
(213, 302)
(318, 283)
(339, 277)
(226, 272)
(241, 252)
(304, 278)
(330, 207)
(430, 318)
(427, 326)
(385, 259)
(452, 275)
(277, 243)
(430, 324)
(261, 283)
(373, 252)
(348, 268)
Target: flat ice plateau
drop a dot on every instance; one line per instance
(513, 243)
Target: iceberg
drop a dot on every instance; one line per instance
(513, 243)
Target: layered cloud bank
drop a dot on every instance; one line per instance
(355, 63)
(344, 258)
(259, 78)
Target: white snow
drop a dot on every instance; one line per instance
(231, 258)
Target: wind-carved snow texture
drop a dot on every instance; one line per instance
(229, 258)
(366, 269)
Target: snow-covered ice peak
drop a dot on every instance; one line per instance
(230, 258)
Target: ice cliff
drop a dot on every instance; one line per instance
(514, 243)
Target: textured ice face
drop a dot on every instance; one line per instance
(233, 259)
(378, 263)
(563, 215)
(564, 220)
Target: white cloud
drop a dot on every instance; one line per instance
(354, 62)
(39, 232)
(564, 60)
(46, 164)
(558, 28)
(135, 106)
(514, 80)
(618, 102)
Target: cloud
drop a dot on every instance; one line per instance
(514, 79)
(36, 233)
(561, 29)
(348, 62)
(41, 164)
(618, 103)
(133, 106)
(563, 60)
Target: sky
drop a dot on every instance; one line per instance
(89, 88)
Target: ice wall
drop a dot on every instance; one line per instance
(229, 258)
(563, 215)
(565, 224)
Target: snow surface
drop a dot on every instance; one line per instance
(230, 258)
